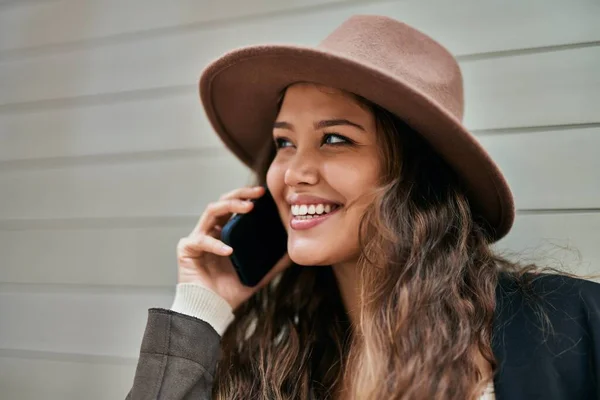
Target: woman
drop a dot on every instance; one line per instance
(390, 289)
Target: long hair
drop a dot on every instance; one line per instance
(427, 287)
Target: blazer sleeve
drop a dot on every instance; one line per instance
(177, 359)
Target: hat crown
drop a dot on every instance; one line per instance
(403, 52)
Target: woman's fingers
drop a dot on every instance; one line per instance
(192, 245)
(216, 212)
(244, 193)
(234, 202)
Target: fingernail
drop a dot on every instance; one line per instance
(226, 248)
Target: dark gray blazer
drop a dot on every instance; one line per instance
(179, 353)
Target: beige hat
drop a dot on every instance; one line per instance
(381, 59)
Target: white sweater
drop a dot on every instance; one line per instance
(196, 300)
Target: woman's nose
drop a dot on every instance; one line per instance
(303, 169)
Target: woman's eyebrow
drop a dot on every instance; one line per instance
(319, 125)
(283, 125)
(335, 122)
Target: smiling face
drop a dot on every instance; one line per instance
(327, 161)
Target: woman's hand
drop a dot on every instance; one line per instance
(204, 259)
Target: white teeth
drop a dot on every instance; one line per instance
(312, 209)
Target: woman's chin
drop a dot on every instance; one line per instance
(307, 259)
(309, 255)
(322, 250)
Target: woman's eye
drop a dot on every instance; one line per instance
(335, 139)
(280, 143)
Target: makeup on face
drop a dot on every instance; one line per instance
(326, 146)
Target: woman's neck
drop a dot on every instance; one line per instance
(348, 283)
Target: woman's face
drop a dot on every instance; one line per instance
(327, 158)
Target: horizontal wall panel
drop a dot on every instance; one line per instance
(138, 189)
(34, 379)
(552, 88)
(550, 169)
(560, 87)
(111, 256)
(532, 23)
(567, 241)
(84, 20)
(174, 121)
(79, 322)
(178, 59)
(160, 123)
(544, 169)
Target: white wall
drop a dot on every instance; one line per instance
(106, 158)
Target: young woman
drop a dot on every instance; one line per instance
(389, 289)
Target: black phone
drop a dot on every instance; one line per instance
(258, 239)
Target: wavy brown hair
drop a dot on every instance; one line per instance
(427, 287)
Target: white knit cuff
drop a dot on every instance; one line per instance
(197, 301)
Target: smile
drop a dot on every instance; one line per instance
(306, 216)
(312, 210)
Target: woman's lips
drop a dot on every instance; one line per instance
(307, 223)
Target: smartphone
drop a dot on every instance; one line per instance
(258, 239)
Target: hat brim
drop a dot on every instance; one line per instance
(240, 92)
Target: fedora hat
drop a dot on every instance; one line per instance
(383, 60)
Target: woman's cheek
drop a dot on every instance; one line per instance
(274, 179)
(276, 185)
